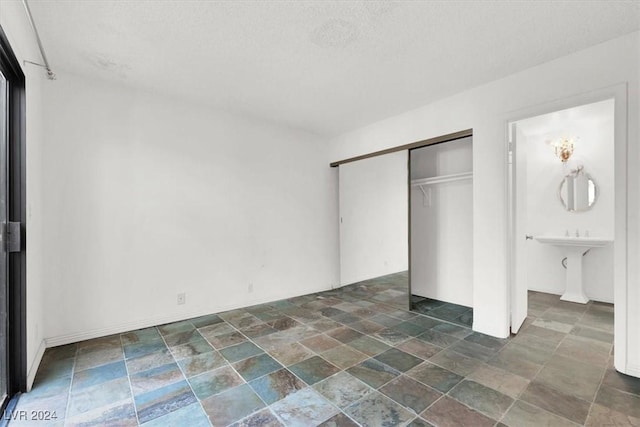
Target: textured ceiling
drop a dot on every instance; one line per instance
(324, 66)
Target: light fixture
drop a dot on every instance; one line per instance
(563, 147)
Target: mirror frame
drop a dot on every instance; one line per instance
(596, 192)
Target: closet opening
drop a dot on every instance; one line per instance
(441, 231)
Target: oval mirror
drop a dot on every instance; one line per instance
(578, 191)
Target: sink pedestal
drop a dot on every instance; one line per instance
(573, 290)
(574, 247)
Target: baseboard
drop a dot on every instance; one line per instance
(547, 291)
(160, 320)
(561, 291)
(33, 369)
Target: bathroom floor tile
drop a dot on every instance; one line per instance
(504, 382)
(522, 414)
(571, 377)
(586, 350)
(626, 383)
(556, 402)
(602, 416)
(628, 404)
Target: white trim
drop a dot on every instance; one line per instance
(160, 320)
(33, 369)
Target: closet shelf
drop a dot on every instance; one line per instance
(441, 179)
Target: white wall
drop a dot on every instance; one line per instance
(15, 25)
(487, 109)
(441, 231)
(594, 126)
(373, 217)
(149, 196)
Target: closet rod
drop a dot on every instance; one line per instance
(50, 74)
(441, 179)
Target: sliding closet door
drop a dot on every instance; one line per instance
(373, 217)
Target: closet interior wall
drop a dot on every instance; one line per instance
(441, 188)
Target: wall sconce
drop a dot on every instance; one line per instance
(563, 147)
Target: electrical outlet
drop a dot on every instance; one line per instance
(250, 288)
(182, 298)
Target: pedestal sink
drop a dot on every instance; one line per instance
(574, 247)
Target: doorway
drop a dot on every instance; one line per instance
(441, 231)
(562, 202)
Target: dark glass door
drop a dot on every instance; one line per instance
(4, 350)
(13, 372)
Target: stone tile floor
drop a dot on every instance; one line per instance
(345, 357)
(441, 310)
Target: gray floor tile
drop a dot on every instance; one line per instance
(565, 348)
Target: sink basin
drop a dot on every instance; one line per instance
(584, 242)
(574, 248)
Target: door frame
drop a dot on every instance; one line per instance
(619, 93)
(443, 139)
(16, 265)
